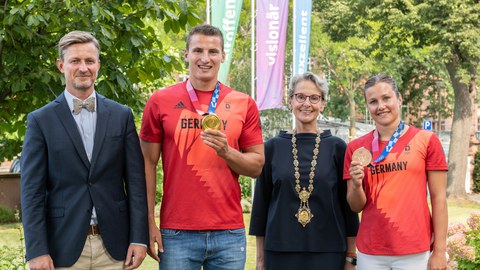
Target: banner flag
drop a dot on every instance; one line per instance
(272, 20)
(225, 16)
(301, 39)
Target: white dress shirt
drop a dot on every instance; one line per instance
(86, 123)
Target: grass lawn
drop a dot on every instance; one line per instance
(11, 236)
(459, 210)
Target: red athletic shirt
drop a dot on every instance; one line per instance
(200, 191)
(396, 218)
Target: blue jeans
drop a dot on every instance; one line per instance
(214, 250)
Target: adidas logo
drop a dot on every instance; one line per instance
(180, 105)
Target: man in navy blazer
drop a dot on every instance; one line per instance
(83, 188)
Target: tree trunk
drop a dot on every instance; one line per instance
(474, 142)
(460, 136)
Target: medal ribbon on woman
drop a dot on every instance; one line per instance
(391, 143)
(210, 119)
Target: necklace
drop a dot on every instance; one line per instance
(304, 214)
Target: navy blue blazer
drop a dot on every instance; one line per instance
(276, 202)
(59, 185)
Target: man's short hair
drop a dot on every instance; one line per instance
(206, 30)
(76, 37)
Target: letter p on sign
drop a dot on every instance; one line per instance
(427, 124)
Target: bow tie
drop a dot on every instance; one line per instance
(88, 104)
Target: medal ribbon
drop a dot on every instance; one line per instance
(196, 104)
(391, 143)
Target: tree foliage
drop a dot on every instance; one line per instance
(430, 41)
(134, 57)
(476, 173)
(346, 65)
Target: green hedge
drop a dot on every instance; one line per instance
(476, 173)
(8, 216)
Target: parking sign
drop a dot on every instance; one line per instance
(427, 124)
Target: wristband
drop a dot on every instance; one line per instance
(352, 260)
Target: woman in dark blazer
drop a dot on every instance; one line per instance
(300, 214)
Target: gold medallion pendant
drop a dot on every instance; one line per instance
(211, 121)
(304, 215)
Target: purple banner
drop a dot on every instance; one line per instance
(272, 16)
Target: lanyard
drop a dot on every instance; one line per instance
(391, 143)
(196, 104)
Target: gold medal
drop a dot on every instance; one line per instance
(363, 156)
(304, 215)
(211, 121)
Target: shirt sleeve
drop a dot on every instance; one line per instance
(152, 130)
(436, 160)
(262, 197)
(252, 129)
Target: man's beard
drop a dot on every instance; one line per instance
(83, 86)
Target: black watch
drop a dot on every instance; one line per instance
(352, 260)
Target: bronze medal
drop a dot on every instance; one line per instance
(211, 121)
(363, 156)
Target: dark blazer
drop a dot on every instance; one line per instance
(276, 202)
(59, 185)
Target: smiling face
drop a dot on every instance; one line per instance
(306, 113)
(80, 65)
(204, 56)
(383, 104)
